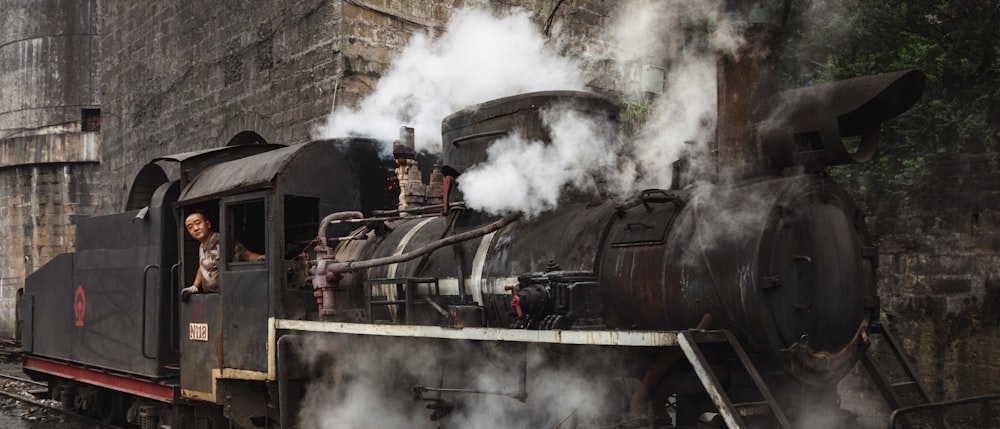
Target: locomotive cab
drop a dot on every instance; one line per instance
(270, 204)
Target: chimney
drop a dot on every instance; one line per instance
(746, 79)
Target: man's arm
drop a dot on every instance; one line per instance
(194, 288)
(247, 255)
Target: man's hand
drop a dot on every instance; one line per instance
(186, 292)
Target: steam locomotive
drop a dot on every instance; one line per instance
(384, 299)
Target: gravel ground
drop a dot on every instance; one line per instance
(18, 415)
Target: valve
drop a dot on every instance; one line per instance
(515, 300)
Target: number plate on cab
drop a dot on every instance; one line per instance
(198, 332)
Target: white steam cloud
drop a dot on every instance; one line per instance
(480, 57)
(588, 156)
(530, 176)
(368, 382)
(483, 56)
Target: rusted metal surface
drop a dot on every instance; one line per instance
(295, 168)
(746, 79)
(812, 121)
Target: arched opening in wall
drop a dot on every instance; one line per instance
(246, 137)
(145, 184)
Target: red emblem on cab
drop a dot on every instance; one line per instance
(79, 305)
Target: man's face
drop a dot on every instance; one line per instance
(198, 226)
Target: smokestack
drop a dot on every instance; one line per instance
(747, 77)
(412, 192)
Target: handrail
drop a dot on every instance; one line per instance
(938, 407)
(174, 317)
(145, 271)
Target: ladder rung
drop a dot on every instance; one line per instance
(910, 383)
(747, 409)
(384, 303)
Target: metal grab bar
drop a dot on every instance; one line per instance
(939, 408)
(145, 271)
(174, 317)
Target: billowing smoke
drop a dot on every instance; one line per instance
(483, 56)
(368, 382)
(530, 176)
(480, 56)
(683, 38)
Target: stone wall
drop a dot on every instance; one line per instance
(184, 75)
(940, 275)
(39, 206)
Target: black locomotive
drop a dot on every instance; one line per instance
(681, 306)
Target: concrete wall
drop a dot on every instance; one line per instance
(47, 164)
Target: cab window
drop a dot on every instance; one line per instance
(246, 231)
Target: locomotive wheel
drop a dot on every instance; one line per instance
(109, 406)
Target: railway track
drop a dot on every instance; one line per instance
(82, 420)
(9, 390)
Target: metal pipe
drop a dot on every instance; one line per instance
(418, 209)
(460, 267)
(348, 266)
(321, 235)
(385, 218)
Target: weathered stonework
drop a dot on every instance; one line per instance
(47, 162)
(940, 276)
(39, 206)
(185, 75)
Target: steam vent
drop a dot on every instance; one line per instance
(49, 135)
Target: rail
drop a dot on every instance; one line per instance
(940, 407)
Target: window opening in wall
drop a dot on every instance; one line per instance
(247, 228)
(90, 120)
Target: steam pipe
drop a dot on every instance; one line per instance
(348, 266)
(426, 208)
(321, 235)
(385, 218)
(460, 267)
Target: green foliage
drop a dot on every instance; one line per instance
(634, 114)
(957, 45)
